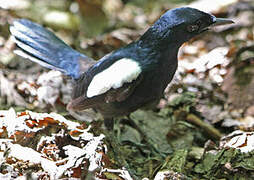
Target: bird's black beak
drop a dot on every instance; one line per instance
(221, 21)
(216, 22)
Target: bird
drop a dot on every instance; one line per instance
(129, 78)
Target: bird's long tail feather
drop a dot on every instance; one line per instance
(43, 47)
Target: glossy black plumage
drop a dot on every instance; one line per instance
(155, 53)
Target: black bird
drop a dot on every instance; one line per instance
(127, 79)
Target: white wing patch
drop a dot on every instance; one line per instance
(122, 71)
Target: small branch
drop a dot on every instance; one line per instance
(214, 133)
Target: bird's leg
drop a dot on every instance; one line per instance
(109, 124)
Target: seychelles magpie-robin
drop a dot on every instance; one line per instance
(129, 78)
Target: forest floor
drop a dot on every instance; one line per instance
(203, 128)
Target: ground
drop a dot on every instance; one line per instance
(201, 129)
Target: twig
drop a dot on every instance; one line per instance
(207, 127)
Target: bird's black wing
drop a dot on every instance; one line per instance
(113, 95)
(112, 79)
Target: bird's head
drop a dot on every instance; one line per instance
(181, 24)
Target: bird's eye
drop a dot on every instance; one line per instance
(192, 28)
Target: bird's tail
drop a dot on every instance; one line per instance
(43, 47)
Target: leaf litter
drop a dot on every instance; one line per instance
(205, 93)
